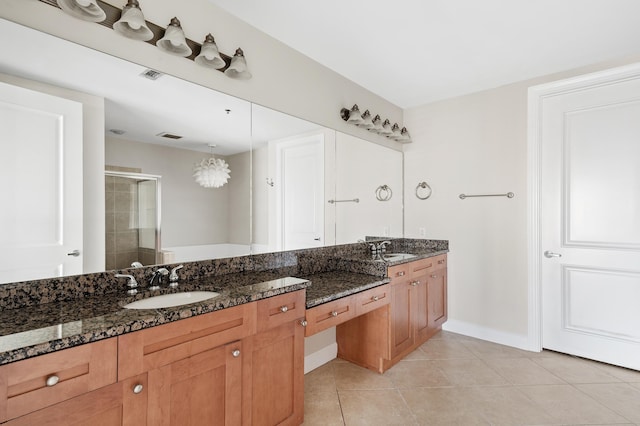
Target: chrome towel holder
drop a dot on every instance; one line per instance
(423, 191)
(508, 195)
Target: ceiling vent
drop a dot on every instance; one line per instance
(151, 74)
(169, 135)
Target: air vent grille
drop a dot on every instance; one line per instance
(169, 135)
(151, 74)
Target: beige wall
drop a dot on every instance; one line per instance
(283, 79)
(239, 205)
(477, 144)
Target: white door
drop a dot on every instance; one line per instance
(40, 185)
(302, 193)
(591, 218)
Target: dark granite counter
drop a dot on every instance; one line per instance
(49, 315)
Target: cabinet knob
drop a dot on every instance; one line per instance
(138, 388)
(52, 380)
(303, 323)
(334, 313)
(236, 353)
(375, 298)
(284, 308)
(434, 276)
(415, 283)
(440, 262)
(400, 274)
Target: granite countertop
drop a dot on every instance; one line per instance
(57, 325)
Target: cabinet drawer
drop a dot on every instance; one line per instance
(277, 310)
(155, 347)
(69, 372)
(399, 272)
(422, 266)
(440, 261)
(329, 315)
(372, 299)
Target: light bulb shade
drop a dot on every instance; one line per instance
(354, 115)
(404, 136)
(238, 67)
(174, 41)
(211, 172)
(209, 55)
(377, 124)
(386, 128)
(395, 132)
(367, 121)
(132, 23)
(87, 10)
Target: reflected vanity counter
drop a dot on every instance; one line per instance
(49, 315)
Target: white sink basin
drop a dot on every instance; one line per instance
(170, 300)
(398, 256)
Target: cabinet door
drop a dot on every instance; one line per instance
(205, 389)
(421, 312)
(437, 297)
(112, 405)
(401, 316)
(277, 375)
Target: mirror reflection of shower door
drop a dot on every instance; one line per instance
(132, 219)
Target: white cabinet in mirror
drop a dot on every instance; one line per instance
(126, 118)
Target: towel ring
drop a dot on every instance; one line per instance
(423, 185)
(384, 193)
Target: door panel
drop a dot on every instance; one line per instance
(590, 210)
(41, 221)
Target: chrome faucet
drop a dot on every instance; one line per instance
(132, 283)
(173, 277)
(159, 273)
(137, 265)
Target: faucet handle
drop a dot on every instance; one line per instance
(174, 274)
(132, 283)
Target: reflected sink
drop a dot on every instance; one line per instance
(170, 300)
(398, 256)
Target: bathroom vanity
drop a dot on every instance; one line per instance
(234, 359)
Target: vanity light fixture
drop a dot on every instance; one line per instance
(209, 55)
(174, 41)
(211, 172)
(132, 23)
(238, 67)
(375, 124)
(87, 10)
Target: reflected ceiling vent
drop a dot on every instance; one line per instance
(117, 131)
(169, 135)
(151, 74)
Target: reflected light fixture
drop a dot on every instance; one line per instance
(395, 132)
(367, 121)
(211, 172)
(404, 135)
(238, 67)
(386, 128)
(132, 23)
(174, 41)
(209, 55)
(87, 10)
(351, 116)
(377, 124)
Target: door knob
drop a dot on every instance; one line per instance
(551, 254)
(74, 253)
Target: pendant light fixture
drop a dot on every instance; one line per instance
(395, 132)
(132, 23)
(354, 116)
(209, 55)
(367, 121)
(174, 41)
(87, 10)
(238, 67)
(211, 172)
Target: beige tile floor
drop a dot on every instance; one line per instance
(457, 380)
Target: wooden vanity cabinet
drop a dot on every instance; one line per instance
(380, 338)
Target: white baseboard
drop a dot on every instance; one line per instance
(321, 357)
(489, 334)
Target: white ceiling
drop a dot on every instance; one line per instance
(412, 52)
(144, 108)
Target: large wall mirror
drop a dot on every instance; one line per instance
(291, 182)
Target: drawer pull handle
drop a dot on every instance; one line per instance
(334, 313)
(236, 353)
(284, 309)
(434, 276)
(440, 262)
(400, 274)
(52, 380)
(303, 323)
(375, 298)
(138, 388)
